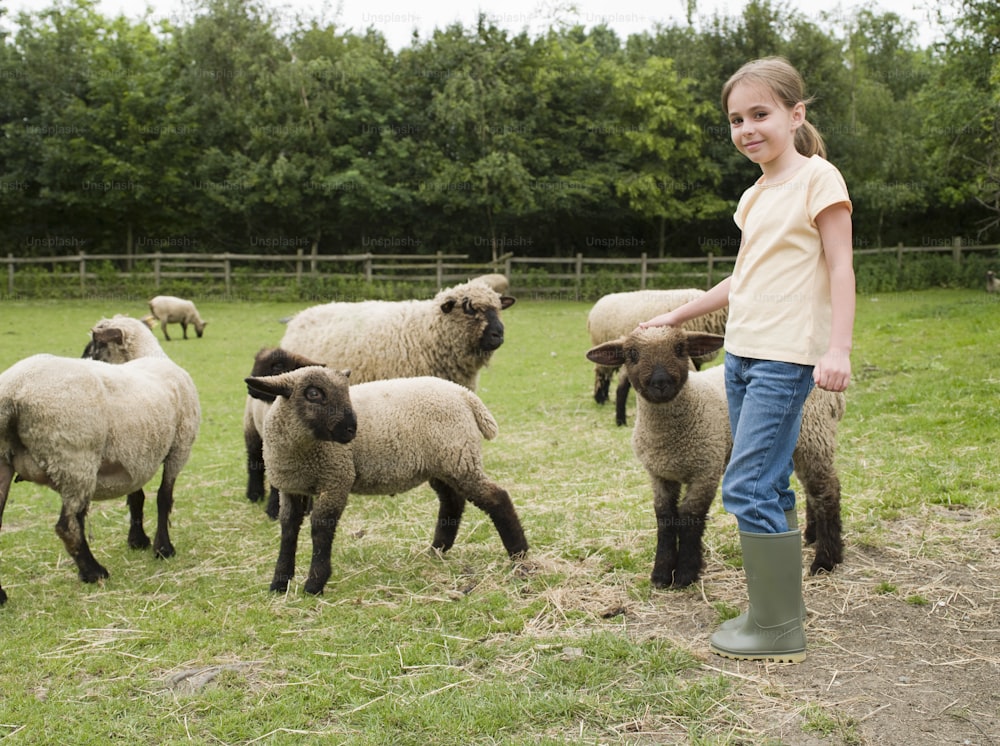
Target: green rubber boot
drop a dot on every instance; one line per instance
(793, 524)
(772, 629)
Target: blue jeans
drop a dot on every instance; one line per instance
(765, 414)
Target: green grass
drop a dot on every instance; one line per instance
(407, 646)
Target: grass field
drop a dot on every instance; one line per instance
(410, 647)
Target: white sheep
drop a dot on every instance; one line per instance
(992, 283)
(451, 336)
(682, 438)
(324, 440)
(98, 429)
(267, 362)
(168, 309)
(616, 314)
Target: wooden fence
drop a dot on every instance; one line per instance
(565, 276)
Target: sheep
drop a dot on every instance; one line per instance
(97, 429)
(168, 309)
(992, 283)
(269, 361)
(451, 336)
(324, 440)
(617, 314)
(497, 281)
(682, 438)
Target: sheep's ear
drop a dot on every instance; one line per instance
(108, 335)
(448, 305)
(611, 354)
(346, 372)
(700, 343)
(267, 389)
(506, 302)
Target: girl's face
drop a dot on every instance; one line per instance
(762, 128)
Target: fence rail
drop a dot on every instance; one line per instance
(539, 275)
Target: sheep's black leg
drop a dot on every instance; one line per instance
(326, 514)
(621, 399)
(823, 524)
(165, 335)
(452, 505)
(184, 328)
(496, 503)
(602, 384)
(162, 548)
(273, 504)
(690, 530)
(137, 538)
(255, 465)
(6, 476)
(70, 528)
(665, 497)
(293, 510)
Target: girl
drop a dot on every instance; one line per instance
(791, 315)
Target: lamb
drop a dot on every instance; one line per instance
(168, 309)
(682, 438)
(324, 440)
(97, 429)
(451, 336)
(992, 283)
(497, 281)
(615, 315)
(267, 362)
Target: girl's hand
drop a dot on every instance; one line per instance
(833, 371)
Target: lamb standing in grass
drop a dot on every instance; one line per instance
(992, 283)
(682, 437)
(99, 429)
(168, 309)
(452, 336)
(615, 315)
(324, 440)
(267, 362)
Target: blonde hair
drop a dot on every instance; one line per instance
(784, 81)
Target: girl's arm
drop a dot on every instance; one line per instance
(712, 300)
(833, 371)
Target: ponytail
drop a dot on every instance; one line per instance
(809, 141)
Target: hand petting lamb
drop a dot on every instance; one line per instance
(168, 309)
(615, 315)
(98, 429)
(267, 362)
(682, 438)
(324, 440)
(451, 336)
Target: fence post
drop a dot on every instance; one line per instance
(642, 272)
(711, 266)
(956, 250)
(579, 275)
(10, 274)
(368, 268)
(298, 268)
(83, 272)
(156, 269)
(899, 257)
(228, 271)
(440, 272)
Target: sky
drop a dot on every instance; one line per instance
(396, 19)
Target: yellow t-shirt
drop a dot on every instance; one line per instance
(779, 296)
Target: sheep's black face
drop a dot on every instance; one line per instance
(657, 363)
(326, 411)
(492, 336)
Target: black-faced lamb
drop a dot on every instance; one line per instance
(168, 309)
(682, 438)
(269, 361)
(98, 429)
(325, 440)
(452, 336)
(616, 314)
(992, 283)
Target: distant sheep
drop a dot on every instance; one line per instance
(682, 438)
(452, 336)
(497, 281)
(168, 309)
(99, 429)
(267, 362)
(615, 315)
(992, 283)
(324, 440)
